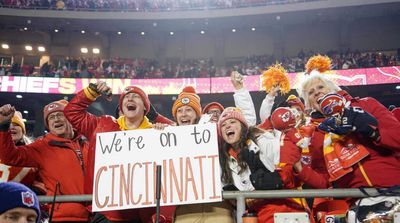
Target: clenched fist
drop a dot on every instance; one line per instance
(237, 80)
(6, 113)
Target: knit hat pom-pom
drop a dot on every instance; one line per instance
(189, 89)
(319, 63)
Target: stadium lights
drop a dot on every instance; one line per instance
(119, 33)
(233, 30)
(171, 33)
(41, 49)
(84, 50)
(5, 46)
(96, 50)
(142, 33)
(18, 96)
(26, 112)
(201, 32)
(56, 30)
(28, 48)
(253, 29)
(25, 28)
(83, 31)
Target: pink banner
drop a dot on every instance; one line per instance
(368, 76)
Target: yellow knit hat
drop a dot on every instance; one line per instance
(187, 97)
(17, 119)
(293, 100)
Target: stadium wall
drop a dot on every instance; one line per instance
(322, 36)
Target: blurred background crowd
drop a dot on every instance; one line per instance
(191, 68)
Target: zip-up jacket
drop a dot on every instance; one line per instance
(59, 161)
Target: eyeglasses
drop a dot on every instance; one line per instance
(53, 116)
(212, 112)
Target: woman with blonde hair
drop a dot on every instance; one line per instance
(22, 175)
(356, 138)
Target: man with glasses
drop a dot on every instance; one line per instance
(59, 157)
(214, 109)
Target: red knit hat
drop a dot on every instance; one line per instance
(292, 100)
(212, 105)
(187, 97)
(229, 113)
(55, 106)
(139, 91)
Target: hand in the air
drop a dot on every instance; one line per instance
(6, 113)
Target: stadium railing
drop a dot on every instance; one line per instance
(240, 196)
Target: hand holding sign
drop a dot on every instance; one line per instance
(126, 163)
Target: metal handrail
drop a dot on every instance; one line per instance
(266, 194)
(240, 196)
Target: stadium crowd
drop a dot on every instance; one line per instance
(137, 5)
(194, 68)
(298, 139)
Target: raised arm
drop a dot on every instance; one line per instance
(76, 110)
(243, 99)
(9, 153)
(267, 104)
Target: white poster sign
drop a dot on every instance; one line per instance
(125, 167)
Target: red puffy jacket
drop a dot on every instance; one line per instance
(58, 160)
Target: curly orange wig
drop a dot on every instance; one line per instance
(275, 75)
(319, 63)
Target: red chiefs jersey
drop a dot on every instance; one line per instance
(24, 175)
